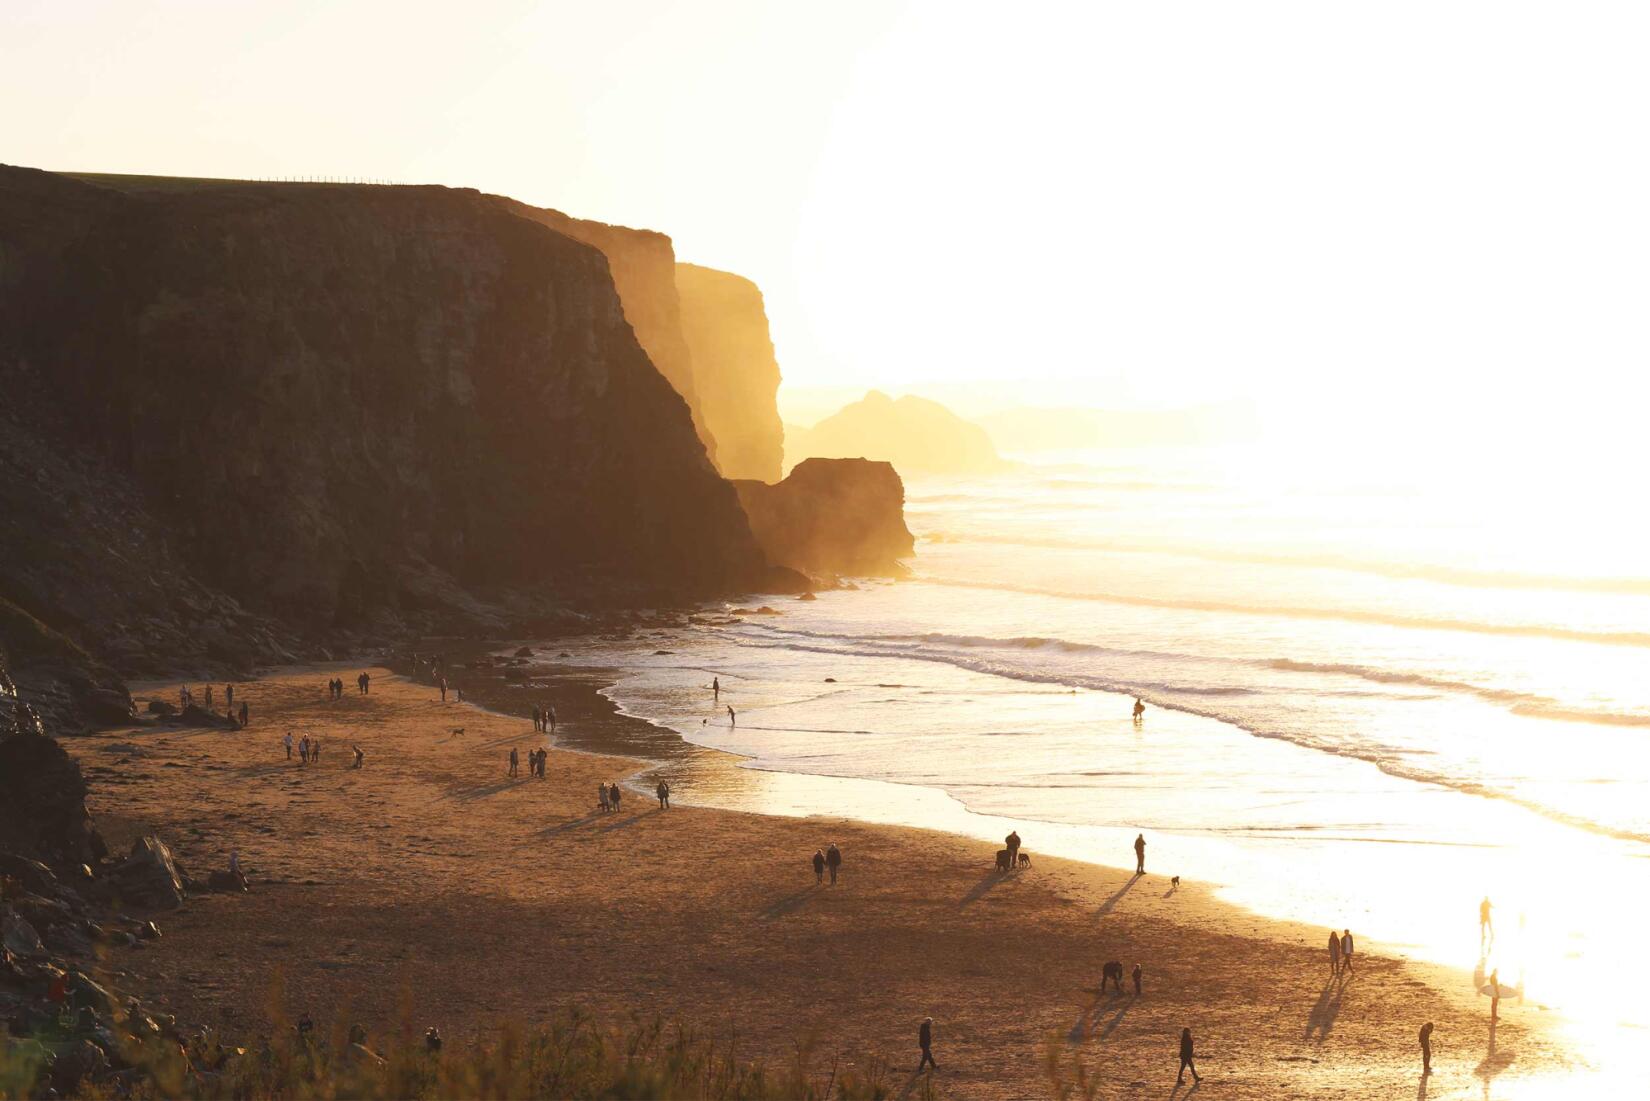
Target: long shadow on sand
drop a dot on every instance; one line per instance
(627, 820)
(483, 791)
(1100, 1018)
(983, 887)
(790, 904)
(571, 824)
(1110, 904)
(1322, 1016)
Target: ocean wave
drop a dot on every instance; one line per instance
(1458, 576)
(1167, 696)
(1348, 615)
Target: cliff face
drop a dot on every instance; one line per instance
(913, 433)
(734, 369)
(643, 264)
(332, 404)
(832, 517)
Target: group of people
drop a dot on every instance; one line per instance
(309, 749)
(544, 719)
(535, 762)
(1340, 953)
(186, 700)
(827, 859)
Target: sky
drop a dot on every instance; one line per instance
(1420, 224)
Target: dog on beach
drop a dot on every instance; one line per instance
(1025, 860)
(1002, 860)
(1112, 972)
(1174, 881)
(456, 730)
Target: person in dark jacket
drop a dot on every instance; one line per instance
(1186, 1058)
(925, 1040)
(1426, 1049)
(833, 860)
(819, 866)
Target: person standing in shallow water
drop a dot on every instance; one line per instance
(1139, 711)
(733, 720)
(925, 1040)
(1186, 1054)
(1140, 854)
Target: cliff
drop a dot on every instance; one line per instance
(735, 370)
(643, 266)
(915, 434)
(832, 517)
(238, 413)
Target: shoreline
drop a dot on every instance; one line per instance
(1046, 902)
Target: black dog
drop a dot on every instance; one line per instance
(1025, 860)
(1112, 972)
(1174, 881)
(1002, 860)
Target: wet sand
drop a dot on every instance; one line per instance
(430, 878)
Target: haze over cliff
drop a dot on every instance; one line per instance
(236, 409)
(915, 434)
(736, 373)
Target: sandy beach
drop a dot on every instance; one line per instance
(430, 878)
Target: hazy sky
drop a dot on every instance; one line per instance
(1411, 215)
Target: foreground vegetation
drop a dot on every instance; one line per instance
(575, 1057)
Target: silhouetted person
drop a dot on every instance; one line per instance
(733, 720)
(245, 713)
(1139, 709)
(1346, 951)
(1135, 974)
(1186, 1054)
(663, 792)
(287, 741)
(365, 680)
(1013, 843)
(303, 749)
(1486, 927)
(1140, 854)
(359, 756)
(1495, 994)
(550, 713)
(538, 718)
(432, 1040)
(925, 1040)
(442, 684)
(613, 796)
(716, 689)
(209, 697)
(1334, 953)
(515, 763)
(315, 751)
(833, 860)
(229, 695)
(819, 866)
(1426, 1048)
(601, 796)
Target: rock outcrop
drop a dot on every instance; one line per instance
(915, 434)
(643, 265)
(831, 518)
(241, 412)
(735, 371)
(42, 791)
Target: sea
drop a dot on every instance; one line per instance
(1372, 700)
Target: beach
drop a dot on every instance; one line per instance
(429, 887)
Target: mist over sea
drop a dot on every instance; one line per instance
(1369, 705)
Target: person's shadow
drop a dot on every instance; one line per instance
(1321, 1018)
(1110, 904)
(789, 904)
(982, 888)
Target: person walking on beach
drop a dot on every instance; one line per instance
(601, 796)
(288, 741)
(1486, 927)
(515, 763)
(1346, 951)
(1012, 843)
(1186, 1063)
(550, 714)
(1426, 1049)
(359, 756)
(1495, 995)
(733, 720)
(442, 684)
(613, 796)
(1140, 854)
(925, 1040)
(663, 792)
(229, 695)
(538, 719)
(1139, 711)
(833, 860)
(209, 697)
(315, 751)
(819, 866)
(303, 750)
(1334, 954)
(245, 712)
(716, 689)
(366, 682)
(1135, 975)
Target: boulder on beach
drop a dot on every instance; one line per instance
(150, 876)
(18, 937)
